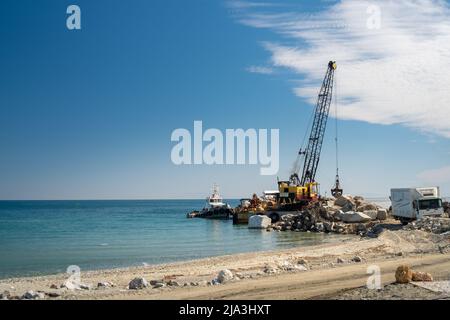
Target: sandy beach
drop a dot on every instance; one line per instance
(325, 271)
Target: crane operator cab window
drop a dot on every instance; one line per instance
(314, 189)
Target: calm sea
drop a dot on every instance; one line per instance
(45, 237)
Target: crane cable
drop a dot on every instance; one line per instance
(303, 145)
(336, 119)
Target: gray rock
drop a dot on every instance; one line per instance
(343, 200)
(159, 285)
(354, 217)
(153, 282)
(301, 267)
(340, 260)
(382, 214)
(361, 229)
(173, 283)
(85, 287)
(70, 285)
(53, 294)
(320, 227)
(104, 284)
(348, 207)
(269, 269)
(239, 275)
(225, 275)
(373, 214)
(202, 283)
(357, 259)
(31, 295)
(367, 207)
(339, 228)
(328, 226)
(137, 284)
(54, 286)
(430, 224)
(259, 222)
(5, 295)
(286, 266)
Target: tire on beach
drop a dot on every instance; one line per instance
(275, 217)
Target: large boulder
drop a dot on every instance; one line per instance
(259, 222)
(345, 202)
(382, 214)
(354, 217)
(5, 295)
(366, 207)
(31, 295)
(373, 214)
(138, 283)
(224, 276)
(403, 274)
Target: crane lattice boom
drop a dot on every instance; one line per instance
(313, 150)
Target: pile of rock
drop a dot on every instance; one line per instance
(138, 284)
(31, 295)
(430, 224)
(344, 215)
(446, 206)
(167, 282)
(355, 209)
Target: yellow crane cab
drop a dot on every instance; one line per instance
(290, 193)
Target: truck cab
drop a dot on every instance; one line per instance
(428, 207)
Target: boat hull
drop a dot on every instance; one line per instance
(242, 217)
(215, 214)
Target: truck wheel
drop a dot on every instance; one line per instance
(404, 221)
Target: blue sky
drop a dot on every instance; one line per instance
(88, 114)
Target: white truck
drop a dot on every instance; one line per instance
(409, 204)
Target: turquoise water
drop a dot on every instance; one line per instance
(45, 237)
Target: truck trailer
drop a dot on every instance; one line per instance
(409, 204)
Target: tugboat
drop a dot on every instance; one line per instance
(215, 208)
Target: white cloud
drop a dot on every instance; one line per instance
(396, 74)
(260, 69)
(435, 176)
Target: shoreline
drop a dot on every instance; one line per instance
(296, 273)
(344, 238)
(336, 239)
